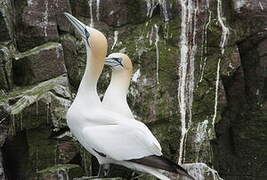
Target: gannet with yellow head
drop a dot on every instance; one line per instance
(81, 113)
(115, 98)
(111, 137)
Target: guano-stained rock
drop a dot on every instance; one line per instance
(41, 104)
(39, 64)
(6, 80)
(6, 21)
(121, 12)
(75, 58)
(39, 21)
(201, 171)
(60, 172)
(36, 112)
(2, 173)
(243, 6)
(4, 123)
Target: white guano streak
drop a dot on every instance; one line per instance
(136, 75)
(261, 6)
(97, 9)
(157, 52)
(163, 5)
(90, 3)
(238, 4)
(151, 5)
(116, 33)
(205, 44)
(200, 137)
(186, 69)
(225, 30)
(46, 18)
(224, 39)
(30, 2)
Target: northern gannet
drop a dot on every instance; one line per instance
(109, 136)
(82, 114)
(115, 98)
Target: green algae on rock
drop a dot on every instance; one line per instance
(59, 171)
(47, 102)
(6, 77)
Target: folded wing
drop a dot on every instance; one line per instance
(124, 141)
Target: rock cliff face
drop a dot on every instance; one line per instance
(241, 134)
(199, 83)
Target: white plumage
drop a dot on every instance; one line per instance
(115, 98)
(109, 136)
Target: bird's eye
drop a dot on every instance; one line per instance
(86, 33)
(119, 60)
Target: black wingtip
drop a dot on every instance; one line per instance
(163, 163)
(177, 168)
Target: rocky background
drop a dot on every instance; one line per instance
(42, 61)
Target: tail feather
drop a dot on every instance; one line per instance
(156, 173)
(146, 169)
(163, 163)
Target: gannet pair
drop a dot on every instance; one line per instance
(108, 130)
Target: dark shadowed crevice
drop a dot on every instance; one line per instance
(15, 154)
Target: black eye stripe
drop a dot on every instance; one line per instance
(119, 60)
(114, 61)
(87, 35)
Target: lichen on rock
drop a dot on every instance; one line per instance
(47, 102)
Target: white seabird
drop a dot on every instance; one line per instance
(109, 136)
(115, 98)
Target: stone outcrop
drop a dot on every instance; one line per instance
(39, 64)
(6, 80)
(46, 102)
(61, 171)
(6, 21)
(5, 119)
(74, 57)
(38, 113)
(241, 134)
(201, 171)
(39, 21)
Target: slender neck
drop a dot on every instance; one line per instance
(119, 84)
(115, 98)
(87, 89)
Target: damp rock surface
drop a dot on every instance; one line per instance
(59, 172)
(201, 171)
(46, 102)
(39, 64)
(5, 117)
(6, 80)
(6, 21)
(39, 21)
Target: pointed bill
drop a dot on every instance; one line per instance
(81, 28)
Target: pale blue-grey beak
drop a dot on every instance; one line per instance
(81, 28)
(113, 61)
